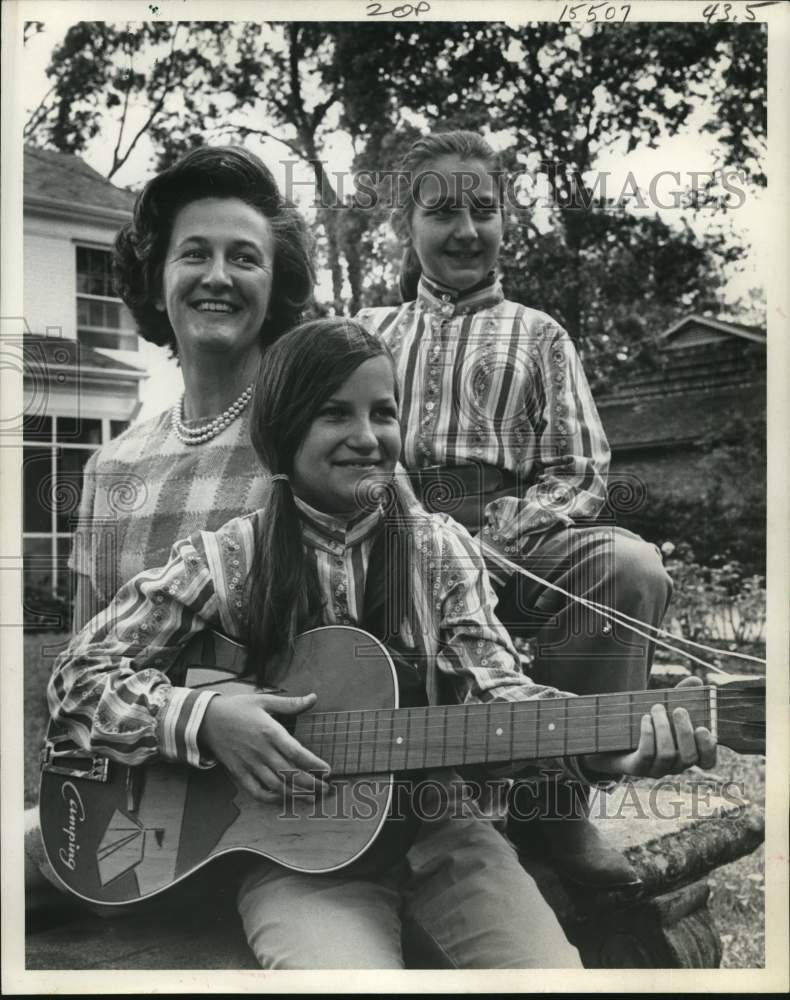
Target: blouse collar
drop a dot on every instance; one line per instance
(333, 534)
(450, 302)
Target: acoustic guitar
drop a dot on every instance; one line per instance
(116, 834)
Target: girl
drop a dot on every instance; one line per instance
(500, 430)
(325, 422)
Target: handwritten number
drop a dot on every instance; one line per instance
(402, 10)
(569, 12)
(709, 12)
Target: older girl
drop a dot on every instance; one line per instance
(501, 432)
(325, 422)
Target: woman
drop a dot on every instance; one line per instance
(214, 265)
(325, 423)
(497, 411)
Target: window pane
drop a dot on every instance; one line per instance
(38, 489)
(112, 315)
(79, 430)
(114, 341)
(117, 427)
(95, 313)
(82, 312)
(37, 428)
(94, 269)
(37, 554)
(70, 463)
(63, 573)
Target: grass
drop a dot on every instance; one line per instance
(737, 890)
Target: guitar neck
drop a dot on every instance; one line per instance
(383, 740)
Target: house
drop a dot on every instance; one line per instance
(707, 385)
(82, 371)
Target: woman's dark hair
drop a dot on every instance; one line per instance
(297, 375)
(210, 172)
(466, 146)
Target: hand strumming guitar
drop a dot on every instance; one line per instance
(261, 755)
(664, 747)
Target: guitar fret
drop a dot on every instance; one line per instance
(512, 713)
(358, 766)
(345, 746)
(444, 736)
(597, 709)
(464, 739)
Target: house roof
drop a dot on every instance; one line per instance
(62, 180)
(680, 419)
(714, 328)
(45, 355)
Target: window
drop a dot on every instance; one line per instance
(102, 319)
(55, 451)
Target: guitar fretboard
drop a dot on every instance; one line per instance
(383, 740)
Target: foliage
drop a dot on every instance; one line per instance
(45, 611)
(39, 654)
(718, 603)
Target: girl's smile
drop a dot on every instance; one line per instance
(456, 223)
(353, 442)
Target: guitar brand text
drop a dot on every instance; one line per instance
(75, 814)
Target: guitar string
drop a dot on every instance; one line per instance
(579, 706)
(612, 614)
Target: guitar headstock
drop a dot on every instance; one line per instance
(741, 715)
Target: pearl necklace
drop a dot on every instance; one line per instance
(199, 435)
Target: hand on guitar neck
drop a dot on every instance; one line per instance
(664, 747)
(259, 753)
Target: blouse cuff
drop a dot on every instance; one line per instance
(178, 725)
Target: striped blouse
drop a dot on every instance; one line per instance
(487, 380)
(116, 688)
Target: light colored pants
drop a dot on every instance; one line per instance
(459, 900)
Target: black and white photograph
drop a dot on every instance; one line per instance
(395, 527)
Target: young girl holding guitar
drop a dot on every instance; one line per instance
(325, 423)
(500, 431)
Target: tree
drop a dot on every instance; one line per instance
(202, 79)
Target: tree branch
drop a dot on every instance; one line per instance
(122, 124)
(117, 164)
(245, 130)
(38, 115)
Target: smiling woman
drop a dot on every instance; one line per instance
(216, 286)
(215, 265)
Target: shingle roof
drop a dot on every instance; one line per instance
(42, 353)
(66, 178)
(671, 420)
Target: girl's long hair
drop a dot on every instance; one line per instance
(298, 373)
(466, 146)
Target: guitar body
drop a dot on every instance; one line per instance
(116, 834)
